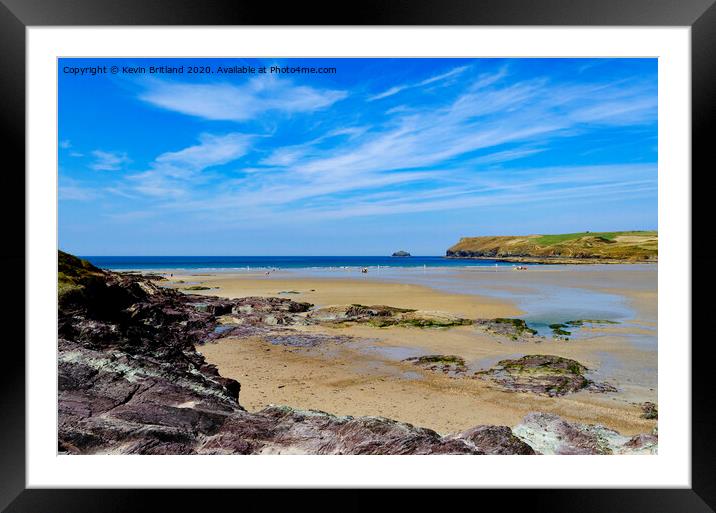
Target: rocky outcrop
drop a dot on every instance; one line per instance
(496, 440)
(401, 253)
(112, 401)
(549, 434)
(650, 411)
(447, 364)
(382, 316)
(129, 378)
(562, 331)
(514, 329)
(132, 382)
(283, 430)
(518, 330)
(542, 374)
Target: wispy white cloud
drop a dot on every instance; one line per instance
(108, 160)
(397, 89)
(621, 111)
(290, 155)
(430, 137)
(350, 131)
(480, 119)
(212, 150)
(228, 102)
(539, 185)
(173, 173)
(447, 190)
(73, 190)
(504, 156)
(65, 144)
(120, 191)
(286, 156)
(74, 193)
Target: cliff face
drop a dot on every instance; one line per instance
(576, 247)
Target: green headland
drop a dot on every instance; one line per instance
(582, 247)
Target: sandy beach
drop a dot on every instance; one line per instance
(367, 375)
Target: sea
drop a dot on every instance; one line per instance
(241, 263)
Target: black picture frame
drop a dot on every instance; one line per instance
(17, 15)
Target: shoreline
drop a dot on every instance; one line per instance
(504, 264)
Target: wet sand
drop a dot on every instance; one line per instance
(328, 291)
(367, 377)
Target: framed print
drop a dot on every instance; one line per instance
(427, 247)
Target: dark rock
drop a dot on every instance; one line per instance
(543, 374)
(154, 277)
(401, 253)
(283, 430)
(514, 329)
(382, 316)
(643, 442)
(447, 364)
(582, 322)
(495, 440)
(301, 339)
(650, 411)
(559, 331)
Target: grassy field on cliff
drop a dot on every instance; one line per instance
(73, 273)
(631, 246)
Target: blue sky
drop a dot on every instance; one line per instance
(385, 154)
